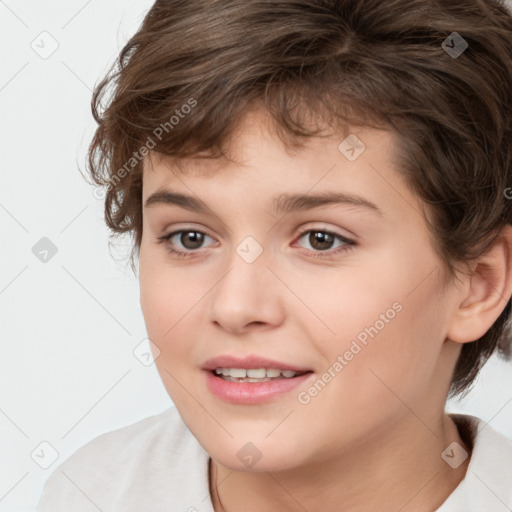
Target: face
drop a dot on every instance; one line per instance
(348, 292)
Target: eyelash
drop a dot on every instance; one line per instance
(348, 243)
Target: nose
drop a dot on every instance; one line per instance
(248, 296)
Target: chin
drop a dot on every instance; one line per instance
(257, 456)
(266, 465)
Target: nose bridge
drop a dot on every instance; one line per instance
(245, 294)
(247, 268)
(249, 250)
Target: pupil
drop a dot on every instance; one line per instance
(324, 239)
(197, 239)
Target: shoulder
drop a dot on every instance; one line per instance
(118, 448)
(487, 484)
(115, 470)
(166, 428)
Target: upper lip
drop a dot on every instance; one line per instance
(248, 362)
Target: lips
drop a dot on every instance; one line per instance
(252, 391)
(251, 362)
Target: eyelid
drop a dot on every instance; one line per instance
(307, 227)
(174, 232)
(347, 243)
(343, 233)
(188, 227)
(323, 230)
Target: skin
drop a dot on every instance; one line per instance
(372, 438)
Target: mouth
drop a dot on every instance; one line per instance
(255, 374)
(252, 379)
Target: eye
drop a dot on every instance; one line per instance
(190, 239)
(321, 241)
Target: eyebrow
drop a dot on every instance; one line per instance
(282, 204)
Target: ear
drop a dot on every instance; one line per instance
(485, 292)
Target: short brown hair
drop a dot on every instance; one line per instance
(182, 83)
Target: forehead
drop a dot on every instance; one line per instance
(255, 149)
(265, 172)
(255, 129)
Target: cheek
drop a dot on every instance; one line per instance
(166, 295)
(167, 302)
(392, 367)
(387, 328)
(393, 351)
(164, 303)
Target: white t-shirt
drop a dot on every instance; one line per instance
(157, 465)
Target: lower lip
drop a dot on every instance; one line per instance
(252, 392)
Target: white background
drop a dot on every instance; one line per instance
(69, 326)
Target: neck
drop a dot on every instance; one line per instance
(400, 470)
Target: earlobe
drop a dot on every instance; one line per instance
(488, 290)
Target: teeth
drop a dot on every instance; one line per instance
(239, 373)
(254, 374)
(259, 373)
